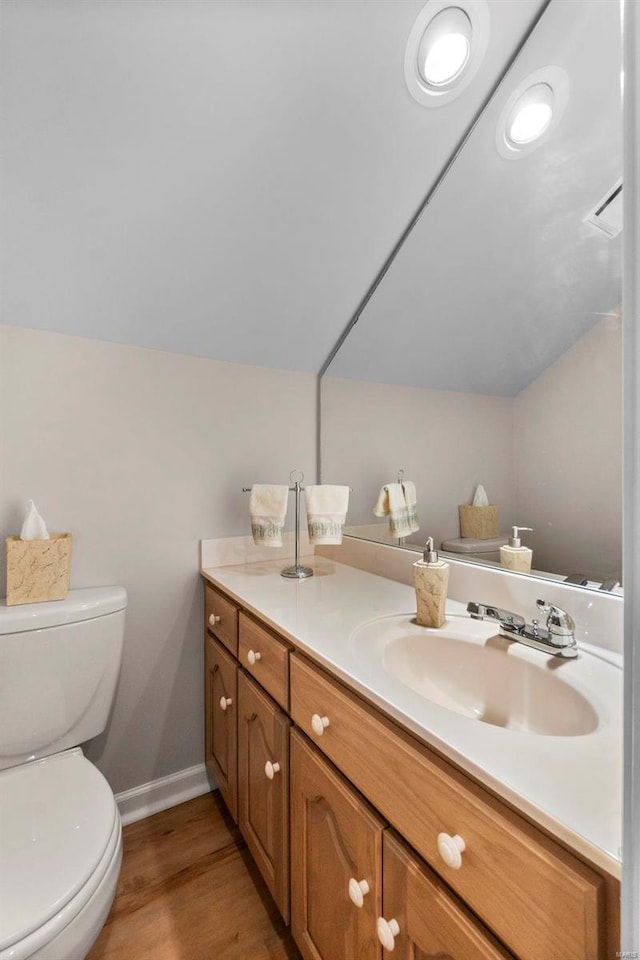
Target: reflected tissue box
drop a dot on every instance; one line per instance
(479, 523)
(38, 570)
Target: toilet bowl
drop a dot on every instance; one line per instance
(60, 831)
(60, 849)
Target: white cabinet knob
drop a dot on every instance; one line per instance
(387, 932)
(225, 702)
(319, 724)
(358, 889)
(213, 619)
(451, 850)
(253, 656)
(271, 769)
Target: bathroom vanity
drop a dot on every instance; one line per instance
(382, 819)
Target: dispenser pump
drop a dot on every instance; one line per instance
(514, 539)
(430, 555)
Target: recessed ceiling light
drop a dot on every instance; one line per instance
(445, 47)
(531, 114)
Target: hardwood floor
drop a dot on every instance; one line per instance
(189, 890)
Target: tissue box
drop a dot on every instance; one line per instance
(480, 523)
(38, 570)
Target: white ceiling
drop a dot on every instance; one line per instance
(216, 177)
(501, 276)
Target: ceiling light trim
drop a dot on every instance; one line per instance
(437, 94)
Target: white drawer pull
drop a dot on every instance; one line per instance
(253, 656)
(213, 619)
(271, 769)
(358, 889)
(225, 702)
(387, 932)
(319, 724)
(451, 850)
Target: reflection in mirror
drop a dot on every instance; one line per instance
(491, 351)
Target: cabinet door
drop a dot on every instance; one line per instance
(336, 843)
(221, 721)
(263, 786)
(422, 920)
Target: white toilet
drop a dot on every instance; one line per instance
(60, 832)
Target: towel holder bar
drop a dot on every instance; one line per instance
(297, 571)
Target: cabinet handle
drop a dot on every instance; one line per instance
(271, 769)
(451, 850)
(253, 656)
(387, 932)
(358, 889)
(213, 619)
(225, 702)
(319, 724)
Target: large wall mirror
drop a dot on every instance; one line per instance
(491, 351)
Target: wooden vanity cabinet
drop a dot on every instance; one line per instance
(513, 888)
(336, 838)
(221, 721)
(263, 786)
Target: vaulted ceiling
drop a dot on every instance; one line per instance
(216, 177)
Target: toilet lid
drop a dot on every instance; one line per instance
(56, 818)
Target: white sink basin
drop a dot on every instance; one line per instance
(468, 668)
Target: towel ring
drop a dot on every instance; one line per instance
(291, 477)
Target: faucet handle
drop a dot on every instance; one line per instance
(559, 622)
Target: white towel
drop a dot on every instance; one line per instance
(267, 510)
(398, 501)
(327, 506)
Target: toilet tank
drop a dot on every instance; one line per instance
(59, 665)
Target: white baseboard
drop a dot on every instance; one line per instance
(149, 798)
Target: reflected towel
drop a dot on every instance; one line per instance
(327, 506)
(398, 501)
(267, 510)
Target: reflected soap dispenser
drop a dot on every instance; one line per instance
(513, 556)
(431, 579)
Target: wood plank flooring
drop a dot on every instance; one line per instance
(188, 890)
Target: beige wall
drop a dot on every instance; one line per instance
(568, 441)
(447, 442)
(140, 453)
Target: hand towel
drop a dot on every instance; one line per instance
(267, 510)
(398, 501)
(327, 506)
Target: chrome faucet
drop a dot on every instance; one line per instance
(557, 638)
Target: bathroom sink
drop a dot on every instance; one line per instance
(468, 668)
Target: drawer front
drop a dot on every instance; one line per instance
(432, 922)
(263, 786)
(266, 658)
(538, 899)
(221, 721)
(221, 618)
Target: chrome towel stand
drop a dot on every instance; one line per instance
(297, 571)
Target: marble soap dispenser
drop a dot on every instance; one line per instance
(431, 579)
(513, 556)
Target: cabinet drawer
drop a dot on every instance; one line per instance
(266, 658)
(431, 921)
(221, 618)
(539, 900)
(221, 721)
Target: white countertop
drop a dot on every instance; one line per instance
(571, 786)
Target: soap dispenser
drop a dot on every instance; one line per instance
(513, 556)
(431, 579)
